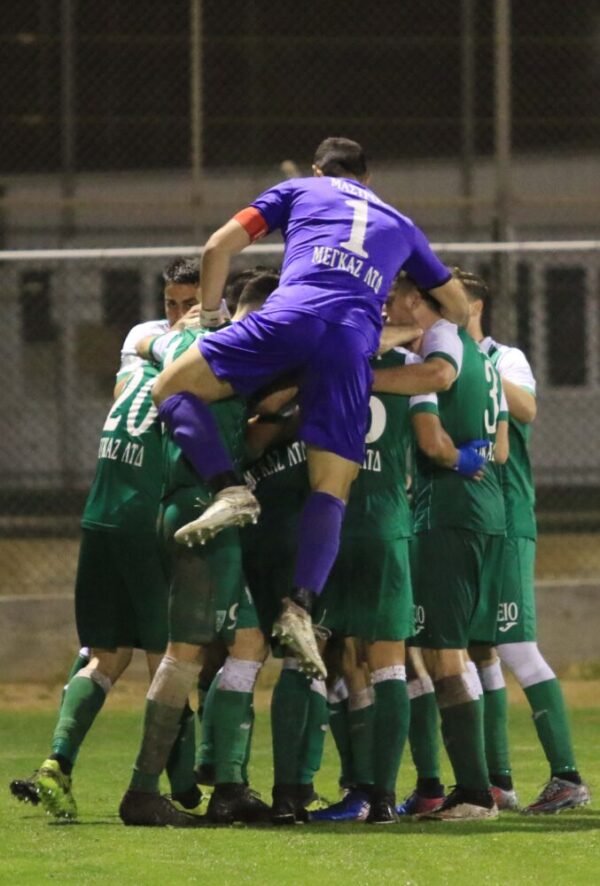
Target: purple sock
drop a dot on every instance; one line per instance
(193, 427)
(318, 540)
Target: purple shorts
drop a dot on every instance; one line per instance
(332, 363)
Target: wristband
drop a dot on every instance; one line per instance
(210, 319)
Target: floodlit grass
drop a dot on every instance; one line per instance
(514, 849)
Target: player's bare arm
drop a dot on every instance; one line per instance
(501, 447)
(220, 247)
(433, 440)
(393, 336)
(430, 377)
(521, 403)
(453, 300)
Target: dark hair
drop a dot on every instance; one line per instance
(258, 288)
(340, 157)
(236, 282)
(182, 270)
(475, 286)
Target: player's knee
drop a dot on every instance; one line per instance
(249, 644)
(442, 663)
(239, 675)
(455, 690)
(483, 656)
(526, 662)
(92, 672)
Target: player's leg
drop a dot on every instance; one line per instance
(166, 700)
(290, 705)
(447, 566)
(356, 804)
(214, 659)
(386, 659)
(518, 649)
(84, 698)
(495, 721)
(311, 753)
(25, 789)
(337, 703)
(232, 800)
(240, 359)
(334, 399)
(423, 738)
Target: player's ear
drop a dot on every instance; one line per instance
(317, 170)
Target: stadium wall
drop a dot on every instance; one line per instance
(40, 641)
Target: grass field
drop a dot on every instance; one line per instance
(514, 849)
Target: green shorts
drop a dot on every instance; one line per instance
(516, 611)
(457, 578)
(208, 597)
(369, 593)
(121, 591)
(269, 563)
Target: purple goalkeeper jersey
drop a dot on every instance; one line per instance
(343, 248)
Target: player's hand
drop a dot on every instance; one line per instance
(393, 336)
(212, 319)
(190, 319)
(470, 463)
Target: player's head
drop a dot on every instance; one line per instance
(340, 158)
(182, 279)
(235, 284)
(477, 292)
(255, 293)
(401, 301)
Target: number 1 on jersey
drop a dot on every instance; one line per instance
(359, 228)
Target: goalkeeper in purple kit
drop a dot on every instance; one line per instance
(343, 248)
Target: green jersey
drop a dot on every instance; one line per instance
(470, 410)
(378, 504)
(230, 415)
(517, 476)
(125, 492)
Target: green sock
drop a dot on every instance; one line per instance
(390, 729)
(160, 729)
(360, 724)
(205, 752)
(180, 765)
(81, 704)
(462, 730)
(245, 775)
(79, 662)
(495, 723)
(311, 752)
(424, 735)
(552, 724)
(289, 714)
(232, 722)
(338, 724)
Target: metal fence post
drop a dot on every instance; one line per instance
(467, 99)
(67, 119)
(196, 115)
(505, 316)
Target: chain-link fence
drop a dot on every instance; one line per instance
(200, 101)
(63, 325)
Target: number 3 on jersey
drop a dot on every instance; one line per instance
(491, 419)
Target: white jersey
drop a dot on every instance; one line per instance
(511, 363)
(130, 359)
(442, 340)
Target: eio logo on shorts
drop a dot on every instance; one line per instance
(508, 616)
(419, 619)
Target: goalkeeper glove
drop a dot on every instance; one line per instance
(469, 460)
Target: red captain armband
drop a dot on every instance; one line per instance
(253, 222)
